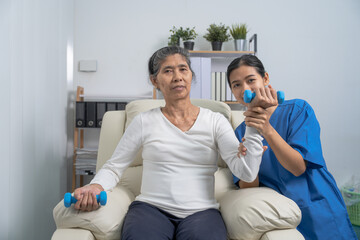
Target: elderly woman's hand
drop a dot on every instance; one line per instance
(242, 149)
(86, 197)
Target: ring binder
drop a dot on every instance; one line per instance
(100, 111)
(90, 114)
(80, 114)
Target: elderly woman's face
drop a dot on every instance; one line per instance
(174, 78)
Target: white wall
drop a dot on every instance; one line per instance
(310, 49)
(35, 45)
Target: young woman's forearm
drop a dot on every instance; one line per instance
(255, 183)
(288, 157)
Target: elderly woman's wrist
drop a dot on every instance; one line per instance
(98, 186)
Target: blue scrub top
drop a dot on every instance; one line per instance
(324, 214)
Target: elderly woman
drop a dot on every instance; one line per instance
(180, 144)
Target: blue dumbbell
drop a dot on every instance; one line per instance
(101, 198)
(248, 96)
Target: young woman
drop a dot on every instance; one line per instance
(180, 144)
(293, 164)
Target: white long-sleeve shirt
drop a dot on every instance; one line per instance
(179, 167)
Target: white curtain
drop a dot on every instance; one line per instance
(36, 69)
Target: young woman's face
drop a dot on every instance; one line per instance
(174, 78)
(246, 77)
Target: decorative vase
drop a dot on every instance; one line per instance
(240, 44)
(216, 46)
(189, 45)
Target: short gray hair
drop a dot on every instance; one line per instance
(160, 55)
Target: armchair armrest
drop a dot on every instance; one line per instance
(283, 234)
(104, 223)
(251, 212)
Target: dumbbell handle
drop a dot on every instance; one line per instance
(69, 199)
(249, 96)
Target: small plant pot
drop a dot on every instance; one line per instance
(216, 46)
(189, 45)
(240, 44)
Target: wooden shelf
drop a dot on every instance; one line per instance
(252, 44)
(219, 54)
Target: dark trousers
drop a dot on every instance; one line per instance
(144, 221)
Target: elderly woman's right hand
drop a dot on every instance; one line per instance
(242, 149)
(86, 197)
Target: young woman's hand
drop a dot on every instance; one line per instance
(86, 197)
(265, 97)
(258, 118)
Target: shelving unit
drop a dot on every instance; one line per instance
(205, 63)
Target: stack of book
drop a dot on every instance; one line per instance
(220, 89)
(85, 161)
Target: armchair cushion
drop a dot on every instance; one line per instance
(74, 233)
(249, 213)
(104, 223)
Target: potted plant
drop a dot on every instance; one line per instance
(217, 34)
(174, 39)
(238, 32)
(188, 35)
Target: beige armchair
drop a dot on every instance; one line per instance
(256, 213)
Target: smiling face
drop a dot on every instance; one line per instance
(246, 77)
(174, 78)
